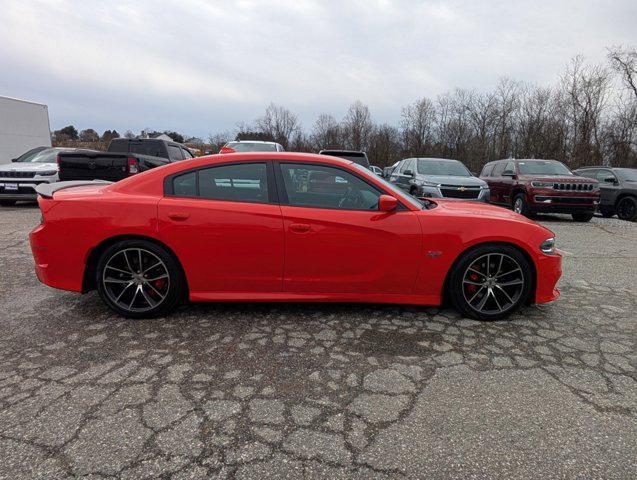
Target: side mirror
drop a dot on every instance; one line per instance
(14, 159)
(508, 174)
(409, 173)
(609, 180)
(387, 203)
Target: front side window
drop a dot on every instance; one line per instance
(327, 187)
(243, 182)
(509, 169)
(602, 175)
(588, 173)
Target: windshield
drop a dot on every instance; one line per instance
(628, 174)
(452, 168)
(392, 188)
(543, 167)
(252, 147)
(27, 156)
(46, 156)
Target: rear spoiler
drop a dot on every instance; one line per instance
(47, 190)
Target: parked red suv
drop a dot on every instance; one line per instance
(541, 186)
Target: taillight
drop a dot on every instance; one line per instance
(133, 165)
(227, 150)
(58, 160)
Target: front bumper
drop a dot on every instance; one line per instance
(25, 189)
(449, 194)
(549, 271)
(550, 201)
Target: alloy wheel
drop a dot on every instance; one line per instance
(493, 283)
(136, 280)
(626, 209)
(518, 206)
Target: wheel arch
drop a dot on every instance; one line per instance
(88, 280)
(523, 251)
(516, 191)
(623, 195)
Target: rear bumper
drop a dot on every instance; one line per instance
(549, 271)
(53, 270)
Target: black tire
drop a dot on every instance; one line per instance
(582, 216)
(172, 288)
(7, 203)
(627, 209)
(520, 205)
(607, 212)
(456, 282)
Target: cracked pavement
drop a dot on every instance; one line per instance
(323, 390)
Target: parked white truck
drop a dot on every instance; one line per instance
(23, 125)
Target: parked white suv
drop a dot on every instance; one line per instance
(19, 178)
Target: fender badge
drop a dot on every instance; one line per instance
(434, 253)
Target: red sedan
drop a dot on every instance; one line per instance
(255, 227)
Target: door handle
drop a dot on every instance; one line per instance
(299, 227)
(178, 216)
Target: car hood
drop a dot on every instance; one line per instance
(473, 209)
(557, 178)
(28, 167)
(453, 180)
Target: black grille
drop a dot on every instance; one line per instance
(460, 192)
(17, 174)
(574, 186)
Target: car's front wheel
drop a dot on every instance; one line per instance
(490, 282)
(520, 206)
(139, 279)
(627, 209)
(582, 217)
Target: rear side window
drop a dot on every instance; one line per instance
(174, 153)
(185, 185)
(246, 182)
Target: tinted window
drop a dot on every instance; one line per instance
(186, 153)
(149, 147)
(174, 153)
(543, 167)
(185, 185)
(498, 169)
(407, 165)
(246, 182)
(327, 187)
(442, 167)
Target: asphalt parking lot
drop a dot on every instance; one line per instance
(323, 391)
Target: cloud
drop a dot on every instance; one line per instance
(201, 66)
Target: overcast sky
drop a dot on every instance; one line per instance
(199, 66)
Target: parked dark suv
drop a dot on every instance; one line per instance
(541, 186)
(618, 188)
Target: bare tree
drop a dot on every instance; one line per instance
(357, 126)
(624, 61)
(326, 133)
(417, 126)
(278, 122)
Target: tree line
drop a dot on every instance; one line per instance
(588, 117)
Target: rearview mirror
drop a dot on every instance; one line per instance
(409, 173)
(387, 203)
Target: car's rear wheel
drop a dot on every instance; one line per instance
(490, 282)
(138, 279)
(607, 212)
(520, 206)
(627, 209)
(7, 203)
(582, 217)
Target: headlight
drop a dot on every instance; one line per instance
(425, 183)
(548, 245)
(542, 184)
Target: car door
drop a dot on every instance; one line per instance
(495, 183)
(608, 190)
(224, 224)
(336, 240)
